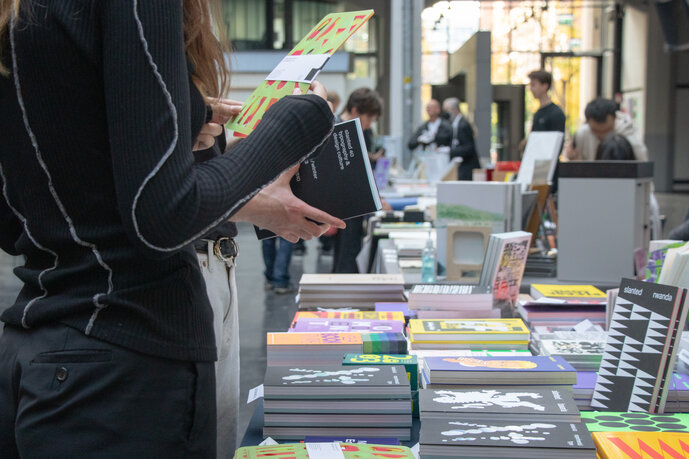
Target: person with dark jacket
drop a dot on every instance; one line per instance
(463, 145)
(109, 349)
(436, 131)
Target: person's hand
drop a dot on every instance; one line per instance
(206, 138)
(223, 110)
(385, 205)
(275, 208)
(316, 88)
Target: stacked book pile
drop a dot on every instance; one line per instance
(502, 422)
(468, 334)
(452, 301)
(397, 307)
(360, 291)
(410, 363)
(341, 449)
(358, 315)
(500, 438)
(521, 372)
(677, 396)
(328, 400)
(347, 325)
(562, 305)
(421, 355)
(329, 348)
(480, 404)
(582, 349)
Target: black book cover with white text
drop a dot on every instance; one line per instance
(339, 179)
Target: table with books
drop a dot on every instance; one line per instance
(442, 366)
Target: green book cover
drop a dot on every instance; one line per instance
(410, 362)
(614, 421)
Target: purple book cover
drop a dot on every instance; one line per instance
(401, 307)
(367, 440)
(536, 363)
(586, 380)
(347, 325)
(680, 382)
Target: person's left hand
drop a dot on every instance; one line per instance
(206, 138)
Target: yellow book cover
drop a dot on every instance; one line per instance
(301, 339)
(355, 315)
(322, 41)
(566, 291)
(642, 445)
(477, 327)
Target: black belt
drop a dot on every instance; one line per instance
(223, 247)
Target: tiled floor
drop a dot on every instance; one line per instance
(262, 312)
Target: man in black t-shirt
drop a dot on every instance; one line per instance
(549, 116)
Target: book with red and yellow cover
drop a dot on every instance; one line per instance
(349, 451)
(641, 445)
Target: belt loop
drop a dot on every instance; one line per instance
(211, 246)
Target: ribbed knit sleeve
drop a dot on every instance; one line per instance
(10, 226)
(165, 200)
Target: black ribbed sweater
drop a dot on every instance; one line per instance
(100, 189)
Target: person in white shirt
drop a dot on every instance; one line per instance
(436, 131)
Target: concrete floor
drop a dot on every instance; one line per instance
(262, 311)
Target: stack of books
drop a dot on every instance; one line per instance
(356, 400)
(347, 325)
(360, 291)
(468, 334)
(397, 307)
(583, 355)
(562, 305)
(507, 404)
(582, 349)
(452, 301)
(449, 372)
(329, 348)
(422, 354)
(344, 450)
(494, 438)
(410, 363)
(358, 315)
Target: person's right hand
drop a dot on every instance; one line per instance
(277, 209)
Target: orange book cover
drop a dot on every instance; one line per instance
(301, 339)
(642, 445)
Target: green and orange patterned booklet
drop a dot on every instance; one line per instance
(299, 67)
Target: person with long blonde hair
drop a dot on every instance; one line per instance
(109, 349)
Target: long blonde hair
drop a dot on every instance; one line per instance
(204, 42)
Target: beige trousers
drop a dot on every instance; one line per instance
(222, 293)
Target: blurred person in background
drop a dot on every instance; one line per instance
(602, 119)
(436, 131)
(463, 145)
